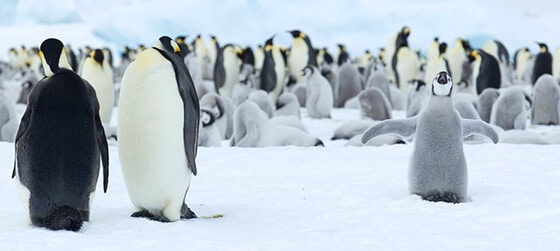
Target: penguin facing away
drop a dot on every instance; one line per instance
(511, 109)
(158, 128)
(59, 145)
(543, 63)
(546, 101)
(437, 169)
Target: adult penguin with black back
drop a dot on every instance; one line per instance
(404, 62)
(273, 70)
(486, 71)
(59, 145)
(182, 45)
(543, 63)
(227, 69)
(301, 55)
(158, 128)
(521, 59)
(343, 55)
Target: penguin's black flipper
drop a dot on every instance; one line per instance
(101, 139)
(191, 105)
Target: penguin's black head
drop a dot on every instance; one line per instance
(98, 56)
(268, 42)
(53, 56)
(307, 71)
(207, 117)
(297, 33)
(436, 39)
(442, 48)
(543, 46)
(442, 84)
(180, 39)
(466, 45)
(247, 56)
(167, 44)
(402, 38)
(473, 55)
(405, 31)
(341, 47)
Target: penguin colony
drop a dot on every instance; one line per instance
(178, 95)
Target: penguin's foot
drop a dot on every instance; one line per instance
(187, 213)
(143, 214)
(160, 218)
(445, 197)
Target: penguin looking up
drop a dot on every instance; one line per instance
(301, 55)
(59, 145)
(438, 168)
(543, 63)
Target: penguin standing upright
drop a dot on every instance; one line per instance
(437, 169)
(96, 71)
(273, 70)
(319, 102)
(457, 58)
(210, 58)
(226, 69)
(158, 123)
(543, 63)
(433, 50)
(343, 55)
(556, 63)
(499, 51)
(520, 61)
(259, 58)
(405, 63)
(486, 71)
(59, 144)
(301, 54)
(183, 46)
(437, 64)
(386, 54)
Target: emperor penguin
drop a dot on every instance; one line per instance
(499, 51)
(259, 58)
(520, 61)
(59, 145)
(433, 49)
(226, 69)
(556, 63)
(543, 63)
(199, 48)
(348, 83)
(301, 54)
(511, 109)
(405, 63)
(457, 58)
(158, 124)
(319, 101)
(378, 78)
(183, 46)
(437, 169)
(273, 71)
(546, 101)
(486, 101)
(252, 127)
(386, 54)
(437, 64)
(222, 113)
(96, 70)
(287, 104)
(374, 105)
(417, 97)
(263, 101)
(210, 58)
(343, 55)
(486, 71)
(210, 135)
(9, 120)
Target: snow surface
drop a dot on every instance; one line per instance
(292, 198)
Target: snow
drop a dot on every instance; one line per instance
(293, 198)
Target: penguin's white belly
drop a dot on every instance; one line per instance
(298, 59)
(150, 129)
(102, 82)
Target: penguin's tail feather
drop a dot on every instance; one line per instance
(64, 217)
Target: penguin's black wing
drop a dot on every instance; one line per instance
(191, 107)
(268, 75)
(25, 119)
(402, 127)
(477, 126)
(100, 136)
(219, 70)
